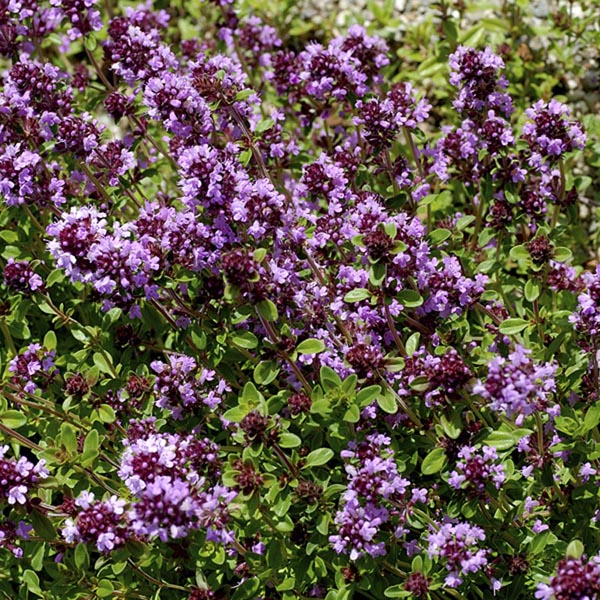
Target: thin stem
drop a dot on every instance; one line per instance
(17, 436)
(153, 580)
(394, 332)
(285, 460)
(273, 339)
(413, 150)
(7, 337)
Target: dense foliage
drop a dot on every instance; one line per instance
(287, 318)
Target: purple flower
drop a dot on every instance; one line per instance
(477, 75)
(549, 133)
(457, 544)
(34, 368)
(20, 277)
(575, 578)
(373, 478)
(477, 468)
(181, 385)
(103, 522)
(517, 386)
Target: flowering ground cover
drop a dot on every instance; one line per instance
(289, 312)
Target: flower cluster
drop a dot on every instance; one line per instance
(444, 376)
(10, 533)
(458, 545)
(181, 386)
(575, 578)
(104, 523)
(33, 369)
(175, 483)
(262, 249)
(587, 316)
(17, 477)
(373, 479)
(476, 469)
(20, 277)
(517, 386)
(549, 133)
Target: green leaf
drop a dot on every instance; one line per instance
(420, 384)
(409, 298)
(264, 125)
(451, 427)
(575, 549)
(68, 438)
(512, 326)
(107, 413)
(437, 236)
(352, 415)
(367, 395)
(434, 462)
(501, 440)
(539, 542)
(532, 290)
(287, 584)
(387, 403)
(13, 419)
(92, 441)
(251, 395)
(311, 346)
(592, 418)
(10, 237)
(377, 274)
(289, 440)
(245, 339)
(562, 254)
(32, 581)
(105, 588)
(49, 340)
(42, 525)
(82, 558)
(90, 42)
(267, 310)
(412, 343)
(102, 362)
(396, 591)
(318, 457)
(329, 378)
(464, 222)
(266, 371)
(357, 295)
(519, 252)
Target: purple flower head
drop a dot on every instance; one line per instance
(83, 16)
(587, 316)
(517, 386)
(477, 75)
(373, 478)
(382, 119)
(458, 545)
(476, 469)
(575, 578)
(181, 385)
(168, 455)
(20, 277)
(255, 38)
(10, 533)
(26, 179)
(549, 133)
(134, 48)
(103, 522)
(34, 368)
(18, 476)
